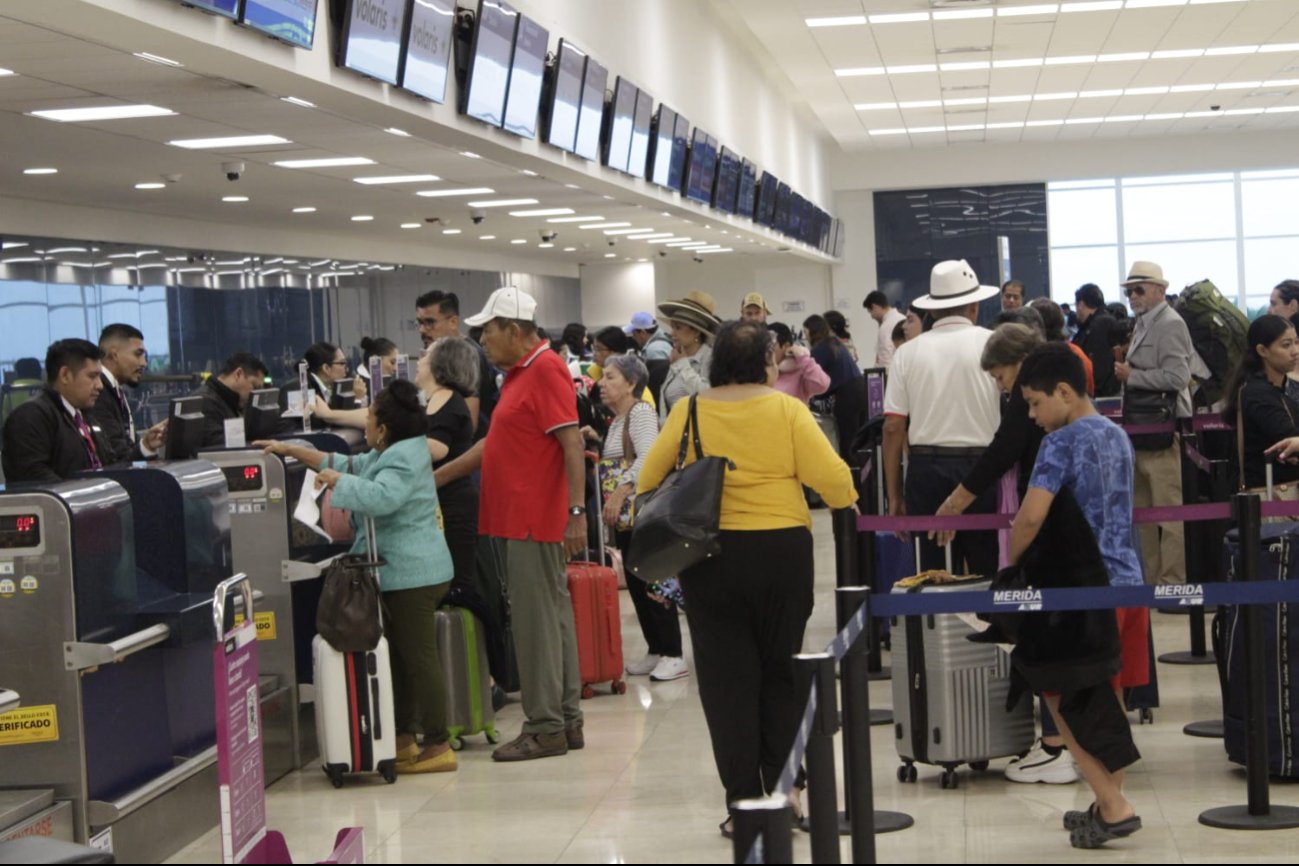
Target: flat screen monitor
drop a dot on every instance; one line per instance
(566, 96)
(293, 21)
(262, 422)
(184, 428)
(489, 62)
(660, 155)
(523, 100)
(428, 48)
(370, 39)
(781, 223)
(765, 209)
(680, 151)
(840, 235)
(225, 8)
(618, 148)
(702, 168)
(746, 198)
(638, 155)
(591, 117)
(795, 215)
(727, 185)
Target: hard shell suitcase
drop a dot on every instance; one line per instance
(462, 652)
(598, 620)
(1279, 560)
(355, 720)
(949, 695)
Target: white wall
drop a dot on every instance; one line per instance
(728, 280)
(613, 293)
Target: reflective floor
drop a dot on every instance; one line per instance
(645, 789)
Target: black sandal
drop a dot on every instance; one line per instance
(727, 832)
(1096, 832)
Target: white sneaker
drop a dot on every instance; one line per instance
(644, 666)
(1041, 766)
(669, 668)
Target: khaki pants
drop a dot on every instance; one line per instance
(1158, 482)
(545, 637)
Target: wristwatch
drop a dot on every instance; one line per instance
(576, 510)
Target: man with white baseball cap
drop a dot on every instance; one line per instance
(654, 343)
(533, 496)
(1158, 362)
(941, 403)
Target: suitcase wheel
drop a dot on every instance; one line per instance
(980, 766)
(458, 743)
(1146, 716)
(619, 687)
(907, 773)
(949, 779)
(587, 692)
(389, 772)
(335, 776)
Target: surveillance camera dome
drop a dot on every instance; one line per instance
(548, 235)
(477, 215)
(613, 242)
(233, 170)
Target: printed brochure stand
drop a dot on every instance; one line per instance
(244, 837)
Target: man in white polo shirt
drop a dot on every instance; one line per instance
(943, 405)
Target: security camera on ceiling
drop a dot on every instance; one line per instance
(477, 215)
(233, 170)
(548, 235)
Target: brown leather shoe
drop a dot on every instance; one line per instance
(525, 747)
(576, 739)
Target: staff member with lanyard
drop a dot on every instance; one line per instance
(941, 403)
(48, 438)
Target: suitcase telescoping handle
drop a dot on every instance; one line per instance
(947, 552)
(599, 515)
(372, 551)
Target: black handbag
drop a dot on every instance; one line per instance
(678, 524)
(1150, 407)
(348, 616)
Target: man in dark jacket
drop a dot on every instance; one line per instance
(125, 359)
(48, 438)
(1095, 337)
(225, 395)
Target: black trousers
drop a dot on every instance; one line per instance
(747, 610)
(930, 479)
(659, 623)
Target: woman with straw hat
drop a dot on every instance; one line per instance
(693, 322)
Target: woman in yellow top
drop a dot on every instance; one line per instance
(747, 607)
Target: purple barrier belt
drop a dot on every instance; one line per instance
(1193, 454)
(984, 522)
(1149, 429)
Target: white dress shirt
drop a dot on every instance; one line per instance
(884, 343)
(937, 382)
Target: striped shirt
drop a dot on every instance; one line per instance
(644, 430)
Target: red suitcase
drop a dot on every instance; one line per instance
(594, 588)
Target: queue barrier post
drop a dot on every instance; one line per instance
(1196, 547)
(817, 670)
(847, 572)
(768, 820)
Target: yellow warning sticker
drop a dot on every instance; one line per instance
(25, 725)
(265, 624)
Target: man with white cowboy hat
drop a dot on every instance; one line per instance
(941, 403)
(1159, 360)
(693, 322)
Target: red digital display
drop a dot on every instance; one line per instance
(19, 530)
(25, 523)
(252, 473)
(245, 478)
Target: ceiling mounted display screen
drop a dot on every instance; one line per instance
(226, 8)
(293, 21)
(620, 124)
(428, 48)
(591, 117)
(746, 198)
(523, 100)
(640, 134)
(765, 211)
(660, 157)
(781, 221)
(702, 168)
(370, 40)
(727, 184)
(566, 97)
(489, 63)
(680, 151)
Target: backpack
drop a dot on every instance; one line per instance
(1218, 331)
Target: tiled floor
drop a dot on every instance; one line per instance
(645, 790)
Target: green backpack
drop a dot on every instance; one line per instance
(1218, 331)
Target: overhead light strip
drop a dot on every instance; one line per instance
(1080, 121)
(329, 162)
(1085, 94)
(228, 142)
(397, 178)
(1001, 12)
(102, 112)
(444, 193)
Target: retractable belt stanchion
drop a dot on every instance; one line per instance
(768, 819)
(1220, 481)
(848, 572)
(1198, 564)
(870, 484)
(1258, 813)
(817, 669)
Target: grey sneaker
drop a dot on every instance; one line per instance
(525, 747)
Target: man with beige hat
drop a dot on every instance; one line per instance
(941, 403)
(1157, 368)
(754, 308)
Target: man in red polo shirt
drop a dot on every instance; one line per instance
(533, 488)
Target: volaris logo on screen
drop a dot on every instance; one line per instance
(425, 38)
(374, 13)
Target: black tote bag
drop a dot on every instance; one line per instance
(349, 617)
(678, 524)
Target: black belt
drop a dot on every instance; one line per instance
(941, 451)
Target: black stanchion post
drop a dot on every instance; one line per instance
(847, 571)
(1258, 814)
(769, 819)
(1221, 481)
(817, 669)
(864, 821)
(1194, 548)
(871, 501)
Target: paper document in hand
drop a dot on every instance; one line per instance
(308, 510)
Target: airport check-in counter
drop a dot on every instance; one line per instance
(105, 596)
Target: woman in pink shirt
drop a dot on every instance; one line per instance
(800, 376)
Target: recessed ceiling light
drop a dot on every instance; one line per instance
(362, 218)
(503, 202)
(150, 185)
(400, 133)
(304, 210)
(230, 141)
(577, 219)
(671, 240)
(571, 186)
(487, 237)
(607, 197)
(529, 172)
(4, 72)
(519, 241)
(570, 249)
(442, 193)
(102, 112)
(293, 100)
(625, 231)
(410, 225)
(469, 154)
(12, 245)
(835, 21)
(328, 162)
(40, 171)
(687, 242)
(610, 255)
(234, 198)
(451, 231)
(899, 18)
(155, 58)
(715, 250)
(550, 211)
(1040, 9)
(545, 245)
(667, 213)
(605, 226)
(650, 237)
(398, 178)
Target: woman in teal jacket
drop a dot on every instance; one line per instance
(393, 484)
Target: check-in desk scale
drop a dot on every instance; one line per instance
(105, 595)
